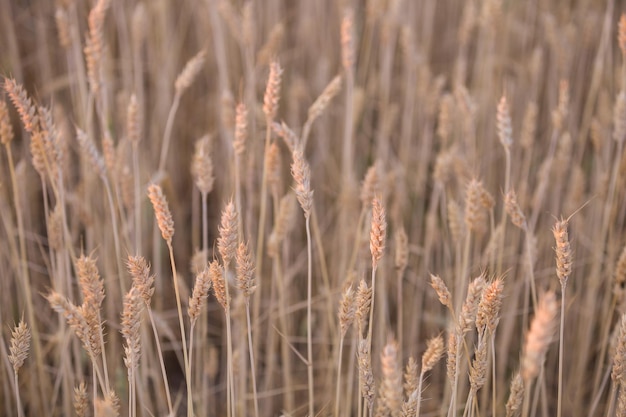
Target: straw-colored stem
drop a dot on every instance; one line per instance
(205, 227)
(338, 385)
(18, 401)
(507, 185)
(238, 198)
(309, 333)
(116, 237)
(163, 372)
(137, 204)
(182, 332)
(167, 135)
(493, 375)
(419, 394)
(230, 389)
(561, 345)
(252, 367)
(261, 227)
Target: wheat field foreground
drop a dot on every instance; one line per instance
(251, 208)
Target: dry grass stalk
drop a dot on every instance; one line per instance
(619, 118)
(619, 280)
(621, 34)
(539, 337)
(162, 212)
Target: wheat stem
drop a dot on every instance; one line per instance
(182, 332)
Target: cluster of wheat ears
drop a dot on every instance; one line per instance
(266, 207)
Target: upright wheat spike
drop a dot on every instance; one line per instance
(20, 345)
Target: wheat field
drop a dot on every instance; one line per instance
(312, 208)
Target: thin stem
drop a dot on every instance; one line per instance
(561, 333)
(20, 412)
(338, 386)
(163, 373)
(309, 339)
(137, 185)
(229, 360)
(205, 226)
(507, 184)
(252, 367)
(261, 228)
(419, 395)
(182, 332)
(116, 237)
(167, 135)
(493, 375)
(230, 390)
